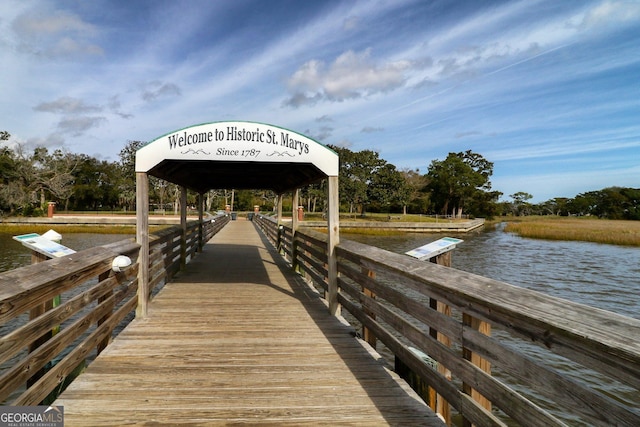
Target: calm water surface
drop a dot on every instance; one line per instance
(602, 276)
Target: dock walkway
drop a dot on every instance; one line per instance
(237, 338)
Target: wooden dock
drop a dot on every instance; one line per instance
(238, 338)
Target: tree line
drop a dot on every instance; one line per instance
(609, 203)
(456, 186)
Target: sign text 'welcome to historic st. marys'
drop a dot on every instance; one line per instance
(230, 136)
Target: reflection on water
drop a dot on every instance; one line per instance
(602, 276)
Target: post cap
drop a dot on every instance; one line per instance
(120, 263)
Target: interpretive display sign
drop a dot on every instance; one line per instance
(433, 249)
(42, 245)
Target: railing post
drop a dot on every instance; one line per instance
(103, 344)
(485, 365)
(294, 228)
(436, 401)
(279, 223)
(35, 312)
(142, 237)
(367, 335)
(333, 239)
(183, 224)
(200, 219)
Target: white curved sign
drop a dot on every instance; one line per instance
(237, 141)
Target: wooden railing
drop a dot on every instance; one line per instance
(547, 361)
(43, 347)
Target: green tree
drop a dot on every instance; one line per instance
(556, 206)
(126, 183)
(417, 197)
(54, 175)
(520, 204)
(388, 187)
(314, 194)
(631, 206)
(95, 184)
(459, 179)
(356, 172)
(10, 184)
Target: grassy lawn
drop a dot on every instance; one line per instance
(613, 232)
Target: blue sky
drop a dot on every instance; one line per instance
(547, 90)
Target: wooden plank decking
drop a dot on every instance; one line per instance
(237, 338)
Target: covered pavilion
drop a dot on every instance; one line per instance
(239, 155)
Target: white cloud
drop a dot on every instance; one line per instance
(54, 34)
(351, 75)
(67, 105)
(607, 14)
(78, 125)
(156, 89)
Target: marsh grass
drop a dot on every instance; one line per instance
(626, 233)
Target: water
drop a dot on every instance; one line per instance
(602, 276)
(598, 275)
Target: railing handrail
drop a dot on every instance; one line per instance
(23, 287)
(562, 324)
(89, 313)
(593, 339)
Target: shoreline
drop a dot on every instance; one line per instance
(89, 220)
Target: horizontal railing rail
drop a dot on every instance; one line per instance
(44, 345)
(478, 349)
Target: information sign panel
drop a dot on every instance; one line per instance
(436, 248)
(36, 242)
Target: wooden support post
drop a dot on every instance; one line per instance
(279, 210)
(142, 237)
(200, 219)
(104, 343)
(333, 239)
(279, 223)
(183, 226)
(366, 333)
(485, 365)
(35, 312)
(294, 228)
(436, 402)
